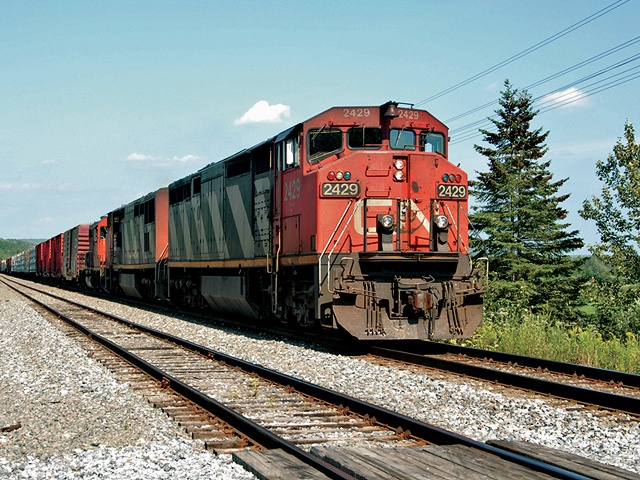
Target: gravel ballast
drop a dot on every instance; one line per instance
(76, 420)
(467, 407)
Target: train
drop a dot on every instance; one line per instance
(353, 222)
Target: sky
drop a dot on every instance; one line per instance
(103, 102)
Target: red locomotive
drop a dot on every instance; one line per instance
(353, 220)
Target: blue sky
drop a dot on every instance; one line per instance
(101, 103)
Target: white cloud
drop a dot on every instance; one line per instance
(141, 157)
(161, 162)
(43, 221)
(571, 97)
(19, 187)
(262, 112)
(595, 149)
(492, 87)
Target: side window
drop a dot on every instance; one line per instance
(402, 139)
(197, 185)
(364, 137)
(288, 153)
(291, 153)
(432, 142)
(323, 142)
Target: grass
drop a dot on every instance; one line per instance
(539, 336)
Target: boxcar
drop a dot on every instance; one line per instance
(74, 252)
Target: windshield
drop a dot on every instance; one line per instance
(364, 137)
(323, 142)
(402, 139)
(432, 142)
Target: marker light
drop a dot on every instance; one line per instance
(339, 175)
(458, 178)
(445, 178)
(331, 176)
(347, 175)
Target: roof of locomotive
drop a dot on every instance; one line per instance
(348, 116)
(337, 116)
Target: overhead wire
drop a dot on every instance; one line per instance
(463, 137)
(470, 130)
(586, 62)
(527, 51)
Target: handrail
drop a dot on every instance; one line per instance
(332, 236)
(164, 250)
(456, 225)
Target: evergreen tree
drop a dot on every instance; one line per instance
(519, 216)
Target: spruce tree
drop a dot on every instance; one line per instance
(518, 214)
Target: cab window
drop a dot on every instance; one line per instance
(364, 137)
(288, 152)
(432, 142)
(401, 139)
(323, 142)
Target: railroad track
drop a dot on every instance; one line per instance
(595, 387)
(236, 405)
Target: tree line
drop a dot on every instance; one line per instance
(520, 227)
(11, 247)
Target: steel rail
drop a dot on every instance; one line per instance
(594, 373)
(262, 436)
(255, 432)
(599, 398)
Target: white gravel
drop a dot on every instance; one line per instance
(467, 407)
(77, 421)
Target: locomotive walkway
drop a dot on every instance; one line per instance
(296, 404)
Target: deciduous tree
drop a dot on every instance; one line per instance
(617, 210)
(616, 213)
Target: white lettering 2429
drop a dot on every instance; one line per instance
(292, 190)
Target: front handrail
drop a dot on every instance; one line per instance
(337, 241)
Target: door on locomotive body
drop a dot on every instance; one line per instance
(289, 200)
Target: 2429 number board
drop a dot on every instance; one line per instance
(343, 189)
(452, 191)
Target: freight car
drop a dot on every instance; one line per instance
(353, 220)
(49, 257)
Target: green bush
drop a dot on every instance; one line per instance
(538, 335)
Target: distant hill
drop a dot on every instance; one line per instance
(11, 246)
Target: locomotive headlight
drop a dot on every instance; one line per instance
(442, 222)
(386, 221)
(398, 176)
(399, 164)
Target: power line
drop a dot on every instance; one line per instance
(588, 61)
(529, 50)
(585, 94)
(470, 130)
